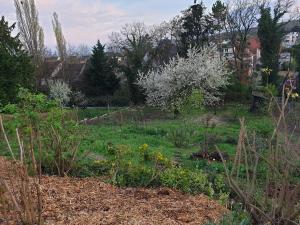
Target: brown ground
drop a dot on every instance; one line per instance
(90, 201)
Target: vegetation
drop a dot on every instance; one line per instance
(270, 34)
(196, 27)
(15, 67)
(201, 71)
(182, 119)
(101, 77)
(60, 91)
(31, 36)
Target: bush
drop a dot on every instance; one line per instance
(181, 137)
(232, 220)
(43, 126)
(187, 181)
(29, 102)
(221, 190)
(61, 139)
(142, 173)
(9, 109)
(129, 174)
(91, 168)
(60, 91)
(237, 91)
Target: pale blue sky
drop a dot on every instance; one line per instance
(85, 21)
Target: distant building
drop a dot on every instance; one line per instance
(251, 55)
(227, 50)
(284, 59)
(290, 39)
(74, 69)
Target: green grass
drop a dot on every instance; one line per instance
(94, 112)
(155, 133)
(152, 127)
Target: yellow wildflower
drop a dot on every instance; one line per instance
(267, 71)
(294, 95)
(159, 157)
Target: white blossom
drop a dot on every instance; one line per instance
(171, 84)
(60, 91)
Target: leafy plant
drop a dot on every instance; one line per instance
(61, 138)
(9, 109)
(144, 151)
(42, 123)
(187, 181)
(182, 136)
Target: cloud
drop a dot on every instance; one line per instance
(85, 21)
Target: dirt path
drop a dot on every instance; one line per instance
(92, 202)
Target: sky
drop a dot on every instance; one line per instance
(85, 21)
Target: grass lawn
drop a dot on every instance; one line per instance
(94, 112)
(156, 131)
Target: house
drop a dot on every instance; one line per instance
(251, 55)
(227, 50)
(73, 71)
(290, 39)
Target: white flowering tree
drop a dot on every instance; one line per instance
(171, 85)
(60, 91)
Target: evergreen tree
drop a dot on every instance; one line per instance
(219, 11)
(295, 51)
(197, 27)
(296, 55)
(101, 77)
(15, 67)
(270, 35)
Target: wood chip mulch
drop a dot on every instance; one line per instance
(89, 201)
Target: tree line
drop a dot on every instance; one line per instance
(139, 49)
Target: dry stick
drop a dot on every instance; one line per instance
(20, 146)
(75, 150)
(57, 158)
(38, 183)
(239, 192)
(31, 148)
(11, 195)
(40, 155)
(281, 109)
(6, 139)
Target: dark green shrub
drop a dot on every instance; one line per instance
(187, 181)
(91, 168)
(111, 149)
(47, 131)
(132, 175)
(9, 109)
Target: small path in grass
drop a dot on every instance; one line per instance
(89, 202)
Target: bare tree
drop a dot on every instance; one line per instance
(61, 45)
(131, 37)
(31, 34)
(160, 32)
(134, 43)
(81, 50)
(241, 18)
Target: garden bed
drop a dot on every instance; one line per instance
(90, 201)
